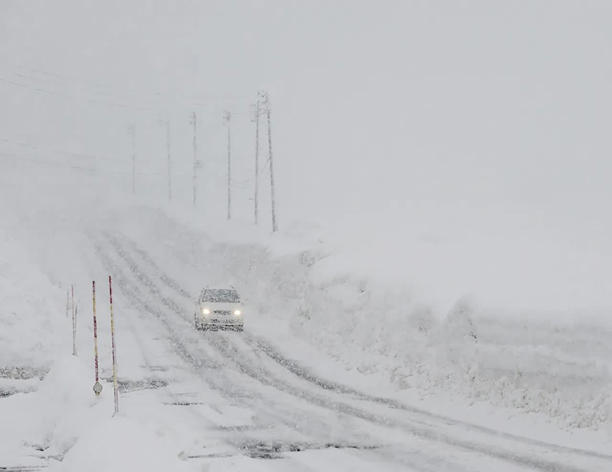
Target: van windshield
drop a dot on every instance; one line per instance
(222, 295)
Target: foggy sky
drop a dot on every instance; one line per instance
(411, 114)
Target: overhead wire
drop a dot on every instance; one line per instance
(99, 93)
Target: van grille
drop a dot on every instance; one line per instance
(222, 312)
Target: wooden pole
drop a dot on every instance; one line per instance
(272, 197)
(256, 195)
(228, 121)
(194, 122)
(74, 315)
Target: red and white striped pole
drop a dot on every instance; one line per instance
(97, 388)
(116, 391)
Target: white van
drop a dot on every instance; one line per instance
(219, 309)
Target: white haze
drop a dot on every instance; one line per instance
(464, 144)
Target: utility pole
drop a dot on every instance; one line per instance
(227, 118)
(169, 161)
(74, 322)
(266, 104)
(194, 122)
(256, 190)
(132, 133)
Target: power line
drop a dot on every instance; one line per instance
(64, 95)
(100, 94)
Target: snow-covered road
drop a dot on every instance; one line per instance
(312, 382)
(237, 396)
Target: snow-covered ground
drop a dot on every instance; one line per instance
(437, 297)
(338, 368)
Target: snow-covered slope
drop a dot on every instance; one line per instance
(559, 367)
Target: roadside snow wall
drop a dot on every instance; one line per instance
(560, 368)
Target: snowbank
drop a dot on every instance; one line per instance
(559, 367)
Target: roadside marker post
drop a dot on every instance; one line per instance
(97, 388)
(67, 302)
(115, 390)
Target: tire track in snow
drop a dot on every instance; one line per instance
(417, 460)
(261, 345)
(195, 361)
(267, 378)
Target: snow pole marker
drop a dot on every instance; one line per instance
(97, 388)
(115, 390)
(67, 302)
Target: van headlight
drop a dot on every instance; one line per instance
(205, 311)
(237, 312)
